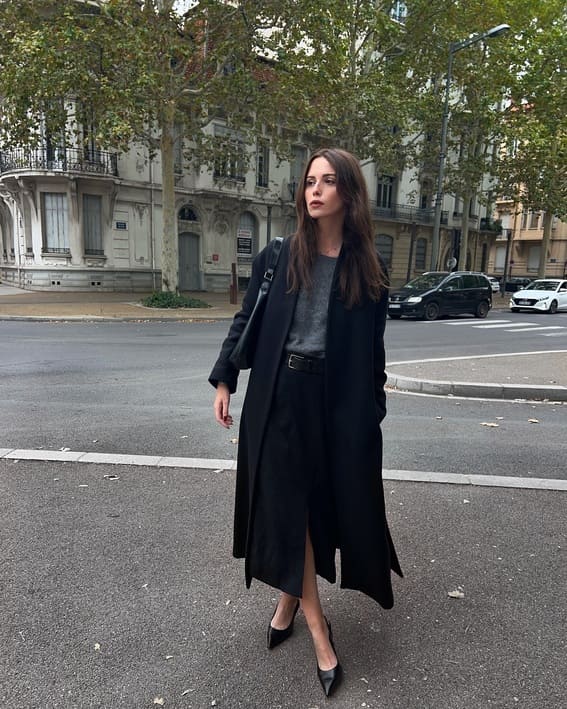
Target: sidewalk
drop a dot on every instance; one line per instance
(535, 376)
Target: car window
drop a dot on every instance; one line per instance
(542, 285)
(564, 285)
(426, 281)
(455, 283)
(471, 281)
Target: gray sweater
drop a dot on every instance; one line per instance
(309, 327)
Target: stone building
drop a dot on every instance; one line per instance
(78, 218)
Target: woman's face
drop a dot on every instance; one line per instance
(321, 196)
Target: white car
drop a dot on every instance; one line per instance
(494, 284)
(546, 295)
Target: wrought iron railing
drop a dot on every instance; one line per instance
(97, 162)
(407, 213)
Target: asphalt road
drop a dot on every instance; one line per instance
(141, 388)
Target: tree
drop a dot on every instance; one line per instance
(143, 73)
(531, 166)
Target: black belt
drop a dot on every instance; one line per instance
(302, 363)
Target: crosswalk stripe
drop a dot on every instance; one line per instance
(541, 327)
(471, 323)
(507, 323)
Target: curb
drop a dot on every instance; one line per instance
(514, 392)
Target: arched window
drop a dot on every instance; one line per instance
(247, 236)
(385, 245)
(186, 214)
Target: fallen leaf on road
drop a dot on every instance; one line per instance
(97, 646)
(65, 449)
(456, 594)
(439, 418)
(490, 425)
(111, 477)
(159, 700)
(234, 440)
(533, 421)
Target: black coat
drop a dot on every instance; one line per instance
(355, 405)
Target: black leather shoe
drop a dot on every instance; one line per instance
(330, 679)
(275, 636)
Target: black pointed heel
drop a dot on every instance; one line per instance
(275, 636)
(330, 679)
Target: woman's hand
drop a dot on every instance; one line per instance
(221, 405)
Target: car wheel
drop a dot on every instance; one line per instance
(431, 311)
(482, 309)
(395, 316)
(553, 307)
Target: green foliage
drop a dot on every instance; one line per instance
(167, 299)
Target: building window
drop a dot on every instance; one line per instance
(484, 258)
(524, 220)
(399, 11)
(385, 246)
(230, 160)
(92, 224)
(425, 197)
(55, 223)
(534, 220)
(420, 254)
(385, 191)
(533, 258)
(297, 164)
(247, 236)
(262, 163)
(186, 214)
(500, 260)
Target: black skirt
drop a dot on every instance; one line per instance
(293, 490)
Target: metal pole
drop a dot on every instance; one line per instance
(441, 169)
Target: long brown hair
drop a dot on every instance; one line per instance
(361, 272)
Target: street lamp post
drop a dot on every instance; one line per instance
(454, 47)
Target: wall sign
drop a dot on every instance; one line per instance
(244, 242)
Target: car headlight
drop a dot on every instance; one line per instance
(542, 300)
(414, 299)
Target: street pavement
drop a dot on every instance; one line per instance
(537, 376)
(118, 590)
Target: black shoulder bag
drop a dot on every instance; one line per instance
(243, 353)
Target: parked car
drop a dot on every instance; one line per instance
(495, 284)
(438, 293)
(545, 295)
(515, 283)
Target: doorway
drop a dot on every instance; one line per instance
(189, 274)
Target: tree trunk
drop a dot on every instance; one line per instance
(547, 221)
(464, 247)
(169, 249)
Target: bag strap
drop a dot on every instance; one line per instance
(276, 247)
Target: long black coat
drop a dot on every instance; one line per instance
(355, 405)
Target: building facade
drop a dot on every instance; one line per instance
(517, 251)
(77, 218)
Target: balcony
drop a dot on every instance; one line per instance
(491, 225)
(406, 213)
(93, 162)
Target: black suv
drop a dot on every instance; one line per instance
(442, 293)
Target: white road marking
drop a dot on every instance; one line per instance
(537, 327)
(222, 464)
(485, 356)
(472, 323)
(504, 323)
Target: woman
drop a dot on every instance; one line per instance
(310, 448)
